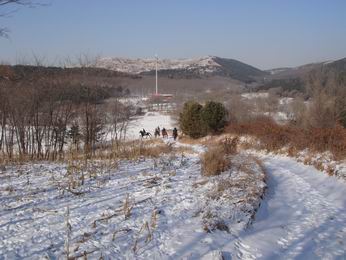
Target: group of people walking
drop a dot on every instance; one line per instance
(158, 132)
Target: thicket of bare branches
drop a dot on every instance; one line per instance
(327, 106)
(42, 116)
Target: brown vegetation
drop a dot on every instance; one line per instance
(216, 159)
(273, 137)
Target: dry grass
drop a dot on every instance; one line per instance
(217, 158)
(127, 207)
(146, 235)
(130, 150)
(214, 161)
(188, 140)
(153, 220)
(183, 150)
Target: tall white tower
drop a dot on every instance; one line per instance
(157, 59)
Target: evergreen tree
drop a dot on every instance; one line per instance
(214, 115)
(190, 120)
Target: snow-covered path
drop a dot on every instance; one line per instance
(302, 217)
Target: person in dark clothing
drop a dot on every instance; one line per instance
(157, 132)
(175, 133)
(164, 133)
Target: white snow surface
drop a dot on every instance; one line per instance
(149, 122)
(303, 215)
(279, 117)
(286, 100)
(253, 95)
(133, 101)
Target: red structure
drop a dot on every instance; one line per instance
(161, 98)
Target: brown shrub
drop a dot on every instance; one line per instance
(214, 161)
(329, 139)
(229, 145)
(274, 137)
(330, 170)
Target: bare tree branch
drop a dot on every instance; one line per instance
(19, 2)
(28, 3)
(4, 32)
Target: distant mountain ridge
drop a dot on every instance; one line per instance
(329, 74)
(303, 70)
(188, 68)
(195, 75)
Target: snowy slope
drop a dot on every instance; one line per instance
(302, 217)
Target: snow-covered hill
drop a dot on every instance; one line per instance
(184, 68)
(143, 65)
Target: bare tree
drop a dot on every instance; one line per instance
(118, 116)
(240, 110)
(326, 87)
(7, 11)
(297, 112)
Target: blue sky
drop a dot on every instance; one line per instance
(263, 33)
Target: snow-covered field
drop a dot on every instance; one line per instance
(149, 122)
(163, 208)
(146, 209)
(160, 208)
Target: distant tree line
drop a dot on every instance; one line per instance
(285, 87)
